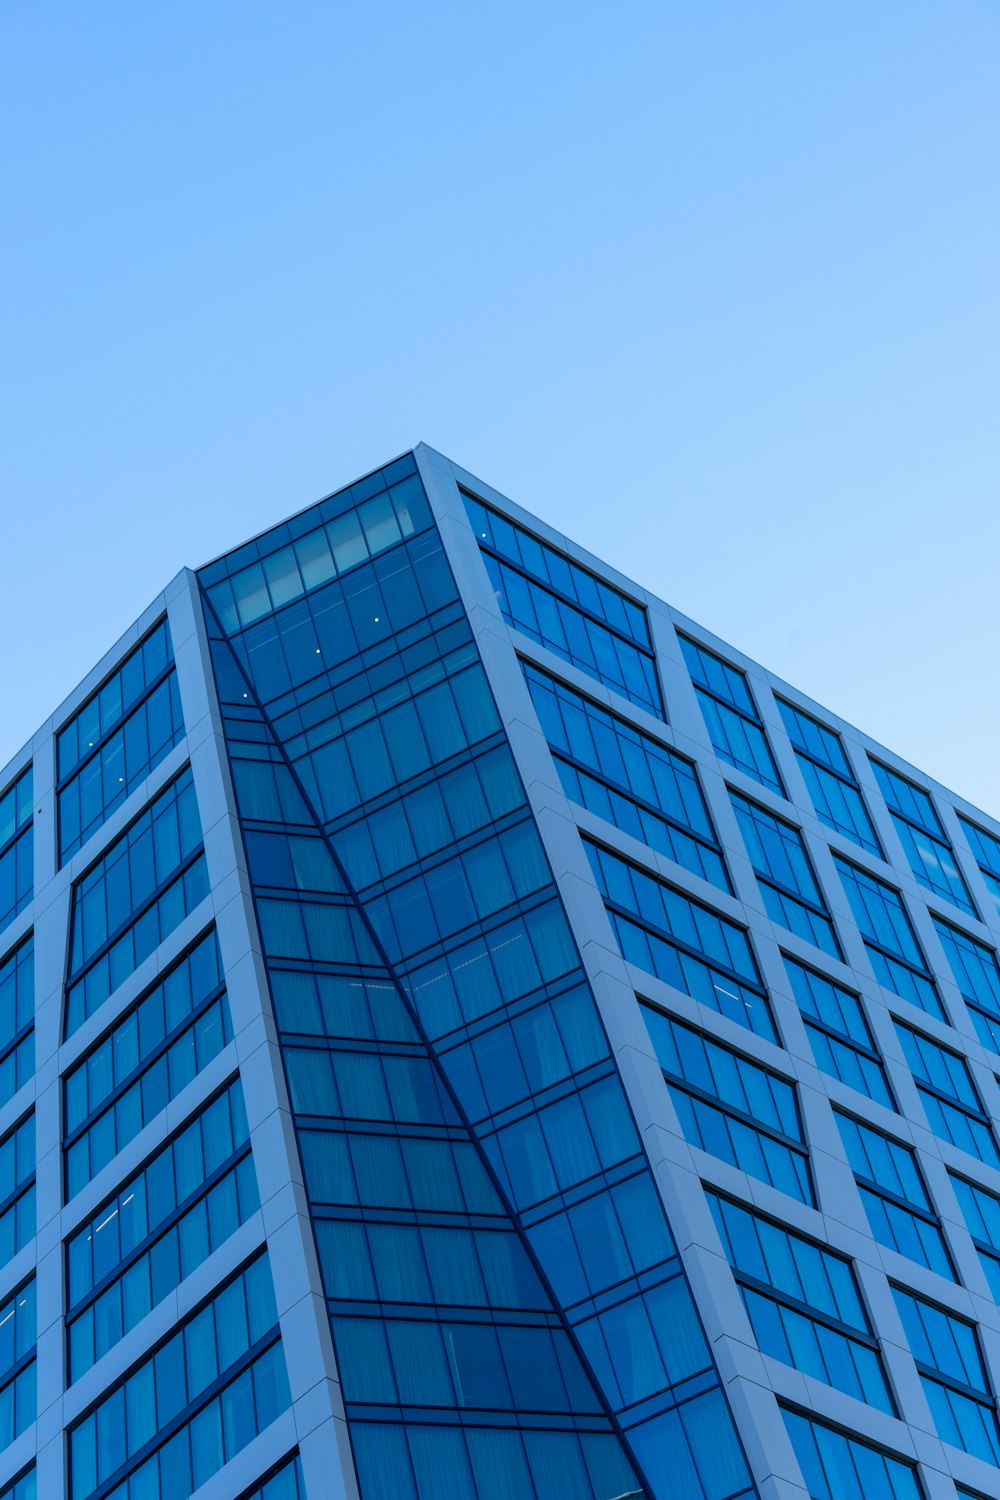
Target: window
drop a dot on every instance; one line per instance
(120, 734)
(894, 1195)
(17, 1019)
(949, 1096)
(149, 880)
(839, 1033)
(977, 976)
(408, 1462)
(837, 1466)
(733, 1108)
(286, 1484)
(229, 1348)
(567, 609)
(950, 1366)
(160, 1225)
(17, 849)
(986, 848)
(144, 1061)
(627, 777)
(18, 1332)
(981, 1211)
(17, 1188)
(889, 938)
(835, 793)
(792, 897)
(923, 838)
(803, 1304)
(684, 944)
(21, 1488)
(289, 562)
(734, 725)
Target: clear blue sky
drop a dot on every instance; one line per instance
(713, 286)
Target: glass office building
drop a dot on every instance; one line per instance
(468, 1034)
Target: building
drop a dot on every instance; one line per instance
(468, 1034)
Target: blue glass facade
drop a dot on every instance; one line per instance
(468, 1034)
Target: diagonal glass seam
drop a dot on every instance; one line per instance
(514, 1218)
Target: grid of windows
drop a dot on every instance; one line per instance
(732, 1108)
(889, 938)
(120, 734)
(832, 786)
(133, 897)
(920, 832)
(730, 713)
(17, 1019)
(567, 609)
(792, 897)
(803, 1303)
(895, 1196)
(949, 1096)
(159, 1226)
(17, 850)
(354, 526)
(950, 1365)
(193, 1403)
(682, 942)
(839, 1034)
(627, 777)
(986, 848)
(148, 1056)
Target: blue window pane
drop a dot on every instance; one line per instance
(141, 889)
(895, 1197)
(889, 938)
(837, 1466)
(791, 894)
(804, 1304)
(922, 836)
(839, 1033)
(977, 975)
(627, 777)
(730, 714)
(949, 1096)
(682, 942)
(16, 848)
(733, 1108)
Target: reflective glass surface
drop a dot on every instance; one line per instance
(803, 1303)
(977, 975)
(682, 942)
(949, 1096)
(505, 1298)
(895, 1196)
(730, 714)
(627, 777)
(17, 850)
(133, 897)
(829, 777)
(792, 897)
(889, 938)
(839, 1034)
(158, 1227)
(837, 1466)
(201, 1396)
(732, 1107)
(17, 1188)
(567, 609)
(121, 734)
(151, 1053)
(986, 848)
(950, 1364)
(17, 1018)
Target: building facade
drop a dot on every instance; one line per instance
(468, 1034)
